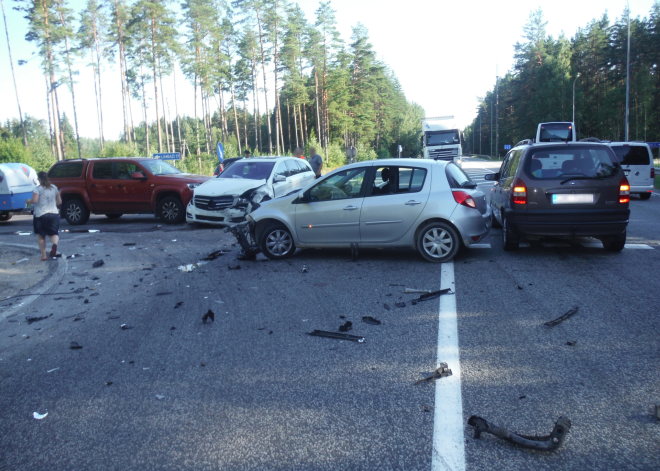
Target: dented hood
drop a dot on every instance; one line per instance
(227, 186)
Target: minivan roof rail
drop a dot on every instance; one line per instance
(524, 142)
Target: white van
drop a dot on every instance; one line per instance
(16, 184)
(636, 157)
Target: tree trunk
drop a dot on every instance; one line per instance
(279, 114)
(153, 67)
(278, 119)
(305, 126)
(122, 71)
(233, 105)
(73, 94)
(295, 124)
(11, 61)
(96, 95)
(255, 112)
(50, 125)
(144, 104)
(316, 101)
(129, 106)
(197, 151)
(288, 121)
(263, 67)
(245, 130)
(98, 73)
(53, 93)
(176, 110)
(162, 98)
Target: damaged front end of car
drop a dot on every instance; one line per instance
(245, 231)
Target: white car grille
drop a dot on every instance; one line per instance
(213, 203)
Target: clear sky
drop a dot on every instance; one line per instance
(444, 53)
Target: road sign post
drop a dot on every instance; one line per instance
(168, 156)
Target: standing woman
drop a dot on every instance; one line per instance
(46, 198)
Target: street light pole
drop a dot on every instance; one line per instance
(576, 77)
(628, 75)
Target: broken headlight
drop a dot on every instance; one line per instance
(192, 186)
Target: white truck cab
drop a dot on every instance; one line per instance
(560, 131)
(441, 140)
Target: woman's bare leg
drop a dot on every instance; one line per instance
(42, 245)
(54, 240)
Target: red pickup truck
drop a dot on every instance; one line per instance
(117, 186)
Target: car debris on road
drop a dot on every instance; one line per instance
(39, 416)
(335, 335)
(546, 443)
(561, 319)
(432, 295)
(346, 326)
(208, 315)
(441, 372)
(371, 320)
(98, 263)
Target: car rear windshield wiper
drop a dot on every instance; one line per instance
(582, 178)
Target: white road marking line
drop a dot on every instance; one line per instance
(448, 445)
(638, 246)
(479, 246)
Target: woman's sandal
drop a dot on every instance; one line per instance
(44, 259)
(53, 250)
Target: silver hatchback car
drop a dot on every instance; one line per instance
(430, 206)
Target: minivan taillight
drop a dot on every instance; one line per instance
(464, 198)
(624, 191)
(519, 192)
(652, 173)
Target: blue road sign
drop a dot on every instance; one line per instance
(168, 156)
(507, 146)
(221, 152)
(653, 144)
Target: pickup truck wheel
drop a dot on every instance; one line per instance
(276, 242)
(171, 210)
(75, 212)
(113, 215)
(5, 217)
(438, 242)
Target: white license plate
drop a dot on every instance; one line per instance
(572, 199)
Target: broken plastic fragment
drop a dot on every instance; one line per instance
(411, 290)
(386, 306)
(442, 371)
(39, 416)
(561, 319)
(432, 295)
(400, 304)
(54, 369)
(208, 315)
(75, 346)
(370, 320)
(159, 397)
(547, 443)
(21, 260)
(191, 266)
(125, 327)
(98, 263)
(346, 327)
(571, 343)
(304, 269)
(334, 335)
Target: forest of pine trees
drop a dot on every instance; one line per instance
(540, 86)
(329, 93)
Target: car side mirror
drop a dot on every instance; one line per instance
(279, 178)
(469, 184)
(138, 176)
(492, 176)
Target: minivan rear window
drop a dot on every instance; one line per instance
(67, 170)
(551, 163)
(632, 155)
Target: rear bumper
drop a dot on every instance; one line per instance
(591, 223)
(641, 188)
(472, 225)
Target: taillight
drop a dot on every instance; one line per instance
(464, 198)
(519, 192)
(624, 191)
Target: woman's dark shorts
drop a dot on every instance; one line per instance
(47, 225)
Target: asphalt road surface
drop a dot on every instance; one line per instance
(252, 391)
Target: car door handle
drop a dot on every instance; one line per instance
(350, 208)
(413, 203)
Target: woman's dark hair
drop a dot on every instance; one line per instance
(43, 179)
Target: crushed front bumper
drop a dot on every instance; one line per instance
(222, 217)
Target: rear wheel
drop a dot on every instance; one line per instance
(75, 212)
(615, 243)
(5, 217)
(113, 215)
(170, 210)
(438, 242)
(644, 196)
(509, 243)
(276, 242)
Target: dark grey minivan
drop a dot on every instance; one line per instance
(562, 190)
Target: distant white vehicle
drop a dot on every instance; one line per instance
(636, 158)
(441, 140)
(228, 197)
(560, 131)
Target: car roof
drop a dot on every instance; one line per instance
(629, 143)
(562, 143)
(405, 162)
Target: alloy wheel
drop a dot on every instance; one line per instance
(73, 213)
(279, 242)
(437, 242)
(170, 211)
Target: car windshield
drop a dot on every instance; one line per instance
(249, 170)
(561, 162)
(556, 132)
(632, 155)
(439, 138)
(158, 167)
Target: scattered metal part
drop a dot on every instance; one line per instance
(370, 320)
(208, 315)
(393, 284)
(244, 233)
(427, 409)
(172, 328)
(571, 343)
(125, 327)
(400, 304)
(54, 369)
(561, 319)
(98, 263)
(411, 290)
(164, 293)
(346, 327)
(75, 346)
(546, 443)
(128, 244)
(113, 317)
(432, 295)
(335, 335)
(86, 301)
(522, 397)
(387, 306)
(442, 371)
(30, 320)
(39, 416)
(304, 269)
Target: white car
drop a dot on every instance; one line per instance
(636, 158)
(226, 199)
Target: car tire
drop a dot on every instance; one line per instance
(493, 219)
(75, 212)
(644, 196)
(438, 242)
(171, 210)
(615, 243)
(509, 243)
(5, 217)
(113, 215)
(276, 242)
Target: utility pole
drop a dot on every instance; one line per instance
(576, 77)
(11, 61)
(497, 105)
(628, 75)
(480, 130)
(491, 127)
